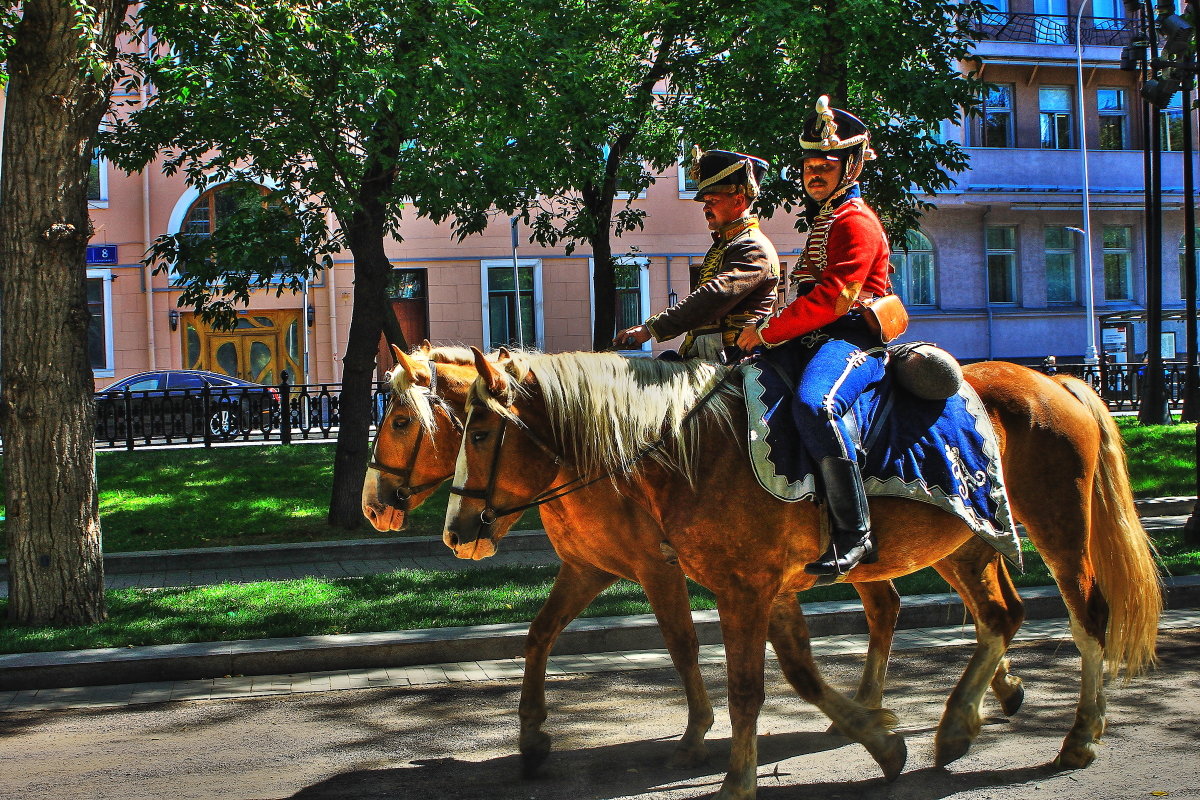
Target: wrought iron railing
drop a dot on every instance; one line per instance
(218, 415)
(1047, 29)
(208, 416)
(1121, 384)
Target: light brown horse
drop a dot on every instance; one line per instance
(418, 440)
(1067, 480)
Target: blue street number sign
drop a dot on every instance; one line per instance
(102, 254)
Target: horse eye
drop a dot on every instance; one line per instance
(400, 422)
(478, 436)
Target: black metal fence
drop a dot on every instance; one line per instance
(220, 415)
(224, 415)
(1121, 384)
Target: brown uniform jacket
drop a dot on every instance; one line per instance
(739, 277)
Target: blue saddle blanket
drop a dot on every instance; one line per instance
(942, 452)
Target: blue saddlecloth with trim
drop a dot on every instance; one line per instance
(942, 452)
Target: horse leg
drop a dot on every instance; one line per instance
(744, 629)
(574, 588)
(870, 727)
(881, 605)
(667, 592)
(978, 574)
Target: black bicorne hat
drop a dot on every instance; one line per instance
(726, 171)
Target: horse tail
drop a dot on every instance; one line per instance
(1121, 552)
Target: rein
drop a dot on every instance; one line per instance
(490, 513)
(406, 490)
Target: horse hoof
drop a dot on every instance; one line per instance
(893, 757)
(1076, 757)
(535, 749)
(688, 757)
(1010, 704)
(946, 751)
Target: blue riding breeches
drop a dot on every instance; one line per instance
(830, 368)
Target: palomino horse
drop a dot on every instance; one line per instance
(418, 441)
(1067, 479)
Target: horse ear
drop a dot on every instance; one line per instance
(496, 382)
(417, 372)
(503, 354)
(426, 346)
(397, 354)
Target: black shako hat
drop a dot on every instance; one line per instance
(726, 171)
(837, 135)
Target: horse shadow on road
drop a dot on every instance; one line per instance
(636, 770)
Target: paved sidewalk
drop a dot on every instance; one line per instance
(508, 669)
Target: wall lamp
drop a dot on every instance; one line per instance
(310, 316)
(173, 318)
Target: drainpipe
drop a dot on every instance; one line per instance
(987, 303)
(331, 294)
(147, 271)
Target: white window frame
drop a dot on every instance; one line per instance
(643, 264)
(1123, 114)
(1069, 113)
(1127, 252)
(1073, 252)
(1014, 284)
(539, 332)
(904, 272)
(102, 168)
(106, 278)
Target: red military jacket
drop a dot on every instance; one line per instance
(846, 255)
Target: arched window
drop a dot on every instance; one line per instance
(217, 203)
(915, 278)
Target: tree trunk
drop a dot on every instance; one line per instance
(55, 103)
(604, 287)
(369, 317)
(599, 206)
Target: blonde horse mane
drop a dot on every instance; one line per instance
(605, 408)
(407, 393)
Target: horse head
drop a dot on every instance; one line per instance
(503, 462)
(418, 436)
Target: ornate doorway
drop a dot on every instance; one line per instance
(259, 349)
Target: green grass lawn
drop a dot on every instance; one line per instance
(256, 495)
(402, 600)
(225, 496)
(222, 496)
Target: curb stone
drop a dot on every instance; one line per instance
(475, 643)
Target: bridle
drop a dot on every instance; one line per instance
(406, 490)
(491, 513)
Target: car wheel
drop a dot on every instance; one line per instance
(224, 422)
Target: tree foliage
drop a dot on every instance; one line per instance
(361, 109)
(896, 65)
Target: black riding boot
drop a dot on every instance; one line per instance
(851, 541)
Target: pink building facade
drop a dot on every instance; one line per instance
(450, 292)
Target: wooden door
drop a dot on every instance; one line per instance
(259, 349)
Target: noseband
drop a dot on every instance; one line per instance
(490, 513)
(406, 490)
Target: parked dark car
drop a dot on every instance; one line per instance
(181, 404)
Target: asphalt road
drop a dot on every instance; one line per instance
(612, 733)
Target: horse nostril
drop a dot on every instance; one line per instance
(454, 540)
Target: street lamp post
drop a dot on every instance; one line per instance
(1090, 354)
